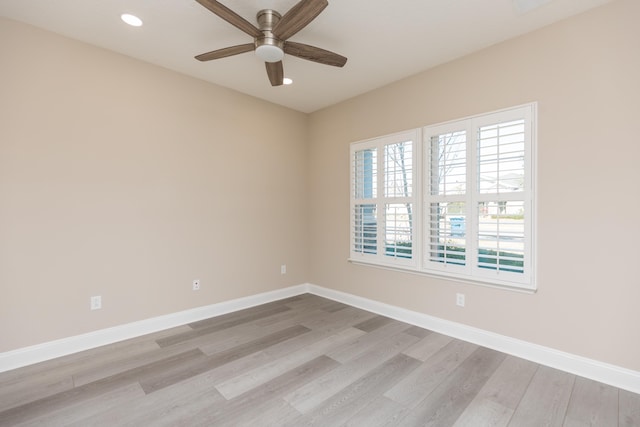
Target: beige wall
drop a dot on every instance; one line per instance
(585, 75)
(122, 179)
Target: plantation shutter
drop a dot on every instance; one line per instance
(502, 196)
(383, 193)
(445, 200)
(364, 214)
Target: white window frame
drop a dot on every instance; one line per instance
(422, 198)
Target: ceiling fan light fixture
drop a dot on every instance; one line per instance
(269, 53)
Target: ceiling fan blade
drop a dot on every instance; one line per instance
(315, 54)
(227, 51)
(231, 17)
(298, 17)
(275, 71)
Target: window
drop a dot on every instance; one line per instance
(383, 222)
(468, 185)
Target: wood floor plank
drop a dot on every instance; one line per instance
(310, 302)
(181, 413)
(314, 393)
(345, 404)
(233, 336)
(262, 358)
(373, 323)
(380, 412)
(317, 319)
(546, 399)
(182, 372)
(364, 343)
(44, 379)
(629, 404)
(209, 326)
(293, 315)
(428, 346)
(88, 360)
(52, 403)
(226, 339)
(241, 316)
(418, 332)
(592, 404)
(497, 400)
(450, 398)
(333, 306)
(80, 411)
(349, 316)
(276, 414)
(428, 376)
(176, 405)
(119, 357)
(33, 388)
(122, 363)
(249, 408)
(172, 406)
(248, 380)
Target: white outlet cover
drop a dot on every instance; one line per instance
(96, 303)
(460, 300)
(196, 285)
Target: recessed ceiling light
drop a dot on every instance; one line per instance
(287, 81)
(132, 20)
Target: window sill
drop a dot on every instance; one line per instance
(453, 278)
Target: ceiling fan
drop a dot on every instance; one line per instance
(270, 38)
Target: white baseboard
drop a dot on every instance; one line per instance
(599, 371)
(62, 347)
(578, 365)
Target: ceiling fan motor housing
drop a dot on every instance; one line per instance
(268, 47)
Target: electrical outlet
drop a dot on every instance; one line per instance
(96, 302)
(460, 300)
(196, 285)
(283, 269)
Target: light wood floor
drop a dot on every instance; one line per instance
(304, 361)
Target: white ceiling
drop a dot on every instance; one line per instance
(385, 41)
